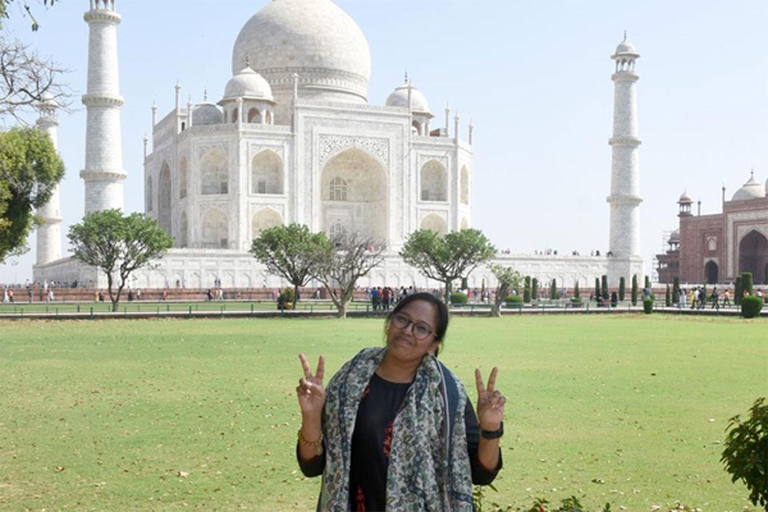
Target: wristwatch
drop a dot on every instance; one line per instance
(493, 434)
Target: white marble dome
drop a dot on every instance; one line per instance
(625, 47)
(750, 190)
(206, 113)
(312, 38)
(685, 199)
(248, 84)
(399, 98)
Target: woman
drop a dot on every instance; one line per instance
(394, 429)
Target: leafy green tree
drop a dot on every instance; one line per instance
(576, 293)
(676, 290)
(668, 297)
(553, 290)
(746, 452)
(508, 279)
(447, 258)
(527, 290)
(622, 289)
(289, 252)
(118, 244)
(340, 262)
(738, 290)
(746, 282)
(597, 288)
(604, 285)
(30, 169)
(535, 289)
(634, 290)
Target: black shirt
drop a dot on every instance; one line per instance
(371, 446)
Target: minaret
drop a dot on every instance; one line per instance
(49, 231)
(624, 257)
(103, 174)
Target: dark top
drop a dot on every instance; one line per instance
(371, 443)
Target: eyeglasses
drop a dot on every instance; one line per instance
(420, 331)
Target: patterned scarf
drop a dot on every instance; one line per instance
(421, 476)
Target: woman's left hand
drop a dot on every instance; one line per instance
(490, 402)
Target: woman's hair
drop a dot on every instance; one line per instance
(442, 314)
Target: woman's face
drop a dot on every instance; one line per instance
(402, 342)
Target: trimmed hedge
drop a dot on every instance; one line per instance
(751, 306)
(648, 306)
(514, 301)
(458, 299)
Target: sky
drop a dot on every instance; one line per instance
(534, 78)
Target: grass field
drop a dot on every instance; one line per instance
(163, 414)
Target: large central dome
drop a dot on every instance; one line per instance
(312, 38)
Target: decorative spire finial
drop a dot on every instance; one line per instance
(625, 35)
(247, 61)
(406, 77)
(205, 94)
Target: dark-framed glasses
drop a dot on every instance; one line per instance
(420, 330)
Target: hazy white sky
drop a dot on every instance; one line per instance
(533, 76)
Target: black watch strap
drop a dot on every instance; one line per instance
(493, 434)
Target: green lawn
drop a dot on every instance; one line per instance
(159, 414)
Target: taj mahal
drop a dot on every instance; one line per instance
(292, 138)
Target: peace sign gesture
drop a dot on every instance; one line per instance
(310, 389)
(490, 402)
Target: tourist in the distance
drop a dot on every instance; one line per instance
(394, 429)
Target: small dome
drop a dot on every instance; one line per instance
(248, 84)
(685, 199)
(206, 113)
(399, 98)
(675, 236)
(750, 190)
(625, 47)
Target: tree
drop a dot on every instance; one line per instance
(668, 297)
(553, 290)
(746, 446)
(738, 290)
(597, 288)
(527, 290)
(576, 292)
(746, 282)
(535, 289)
(604, 286)
(447, 258)
(634, 290)
(289, 251)
(509, 279)
(30, 169)
(622, 289)
(676, 290)
(340, 262)
(5, 4)
(118, 244)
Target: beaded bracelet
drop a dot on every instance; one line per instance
(317, 446)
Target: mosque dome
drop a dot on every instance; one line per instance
(248, 84)
(625, 47)
(750, 190)
(675, 236)
(399, 98)
(314, 39)
(685, 199)
(206, 113)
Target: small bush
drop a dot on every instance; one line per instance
(751, 306)
(458, 299)
(286, 295)
(576, 302)
(744, 456)
(648, 306)
(514, 301)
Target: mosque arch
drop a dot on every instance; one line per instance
(354, 194)
(753, 255)
(183, 230)
(464, 185)
(215, 229)
(338, 233)
(267, 173)
(464, 223)
(254, 116)
(434, 182)
(712, 244)
(711, 272)
(264, 219)
(149, 194)
(435, 223)
(183, 178)
(164, 198)
(214, 173)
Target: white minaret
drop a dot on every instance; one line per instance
(624, 258)
(49, 231)
(103, 174)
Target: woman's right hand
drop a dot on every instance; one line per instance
(310, 390)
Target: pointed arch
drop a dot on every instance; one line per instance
(215, 229)
(354, 194)
(183, 177)
(753, 255)
(164, 198)
(264, 219)
(214, 173)
(435, 223)
(267, 173)
(464, 185)
(434, 182)
(254, 116)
